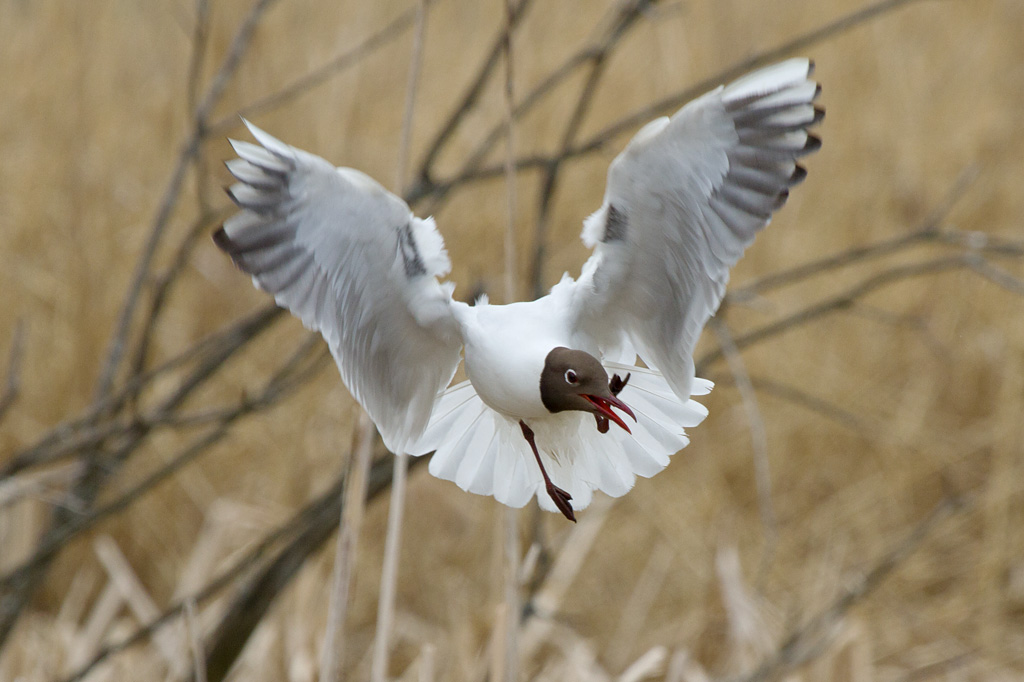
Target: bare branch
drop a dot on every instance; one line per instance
(186, 156)
(996, 275)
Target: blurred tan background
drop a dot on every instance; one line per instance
(874, 413)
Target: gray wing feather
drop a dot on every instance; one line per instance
(683, 201)
(350, 260)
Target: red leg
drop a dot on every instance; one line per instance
(558, 496)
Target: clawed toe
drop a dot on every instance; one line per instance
(562, 501)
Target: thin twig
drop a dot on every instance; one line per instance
(389, 570)
(996, 275)
(347, 549)
(200, 31)
(758, 438)
(411, 86)
(12, 384)
(200, 36)
(396, 506)
(506, 640)
(545, 602)
(195, 640)
(508, 100)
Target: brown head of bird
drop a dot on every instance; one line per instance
(575, 380)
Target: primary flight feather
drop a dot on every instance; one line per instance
(683, 200)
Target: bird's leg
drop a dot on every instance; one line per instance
(615, 385)
(558, 496)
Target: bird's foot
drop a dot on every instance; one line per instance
(561, 500)
(615, 385)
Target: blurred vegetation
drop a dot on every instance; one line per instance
(878, 385)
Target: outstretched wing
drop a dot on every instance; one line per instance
(683, 201)
(350, 260)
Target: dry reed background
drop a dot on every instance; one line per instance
(883, 392)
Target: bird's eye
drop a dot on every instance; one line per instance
(570, 376)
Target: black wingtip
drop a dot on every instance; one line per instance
(810, 67)
(780, 200)
(798, 176)
(813, 145)
(819, 116)
(222, 240)
(817, 91)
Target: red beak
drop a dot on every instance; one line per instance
(604, 406)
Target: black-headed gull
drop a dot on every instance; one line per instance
(683, 201)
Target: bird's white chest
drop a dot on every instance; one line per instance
(505, 351)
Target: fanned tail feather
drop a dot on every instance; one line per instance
(484, 452)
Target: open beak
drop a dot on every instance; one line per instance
(604, 404)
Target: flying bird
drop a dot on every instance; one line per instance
(555, 404)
